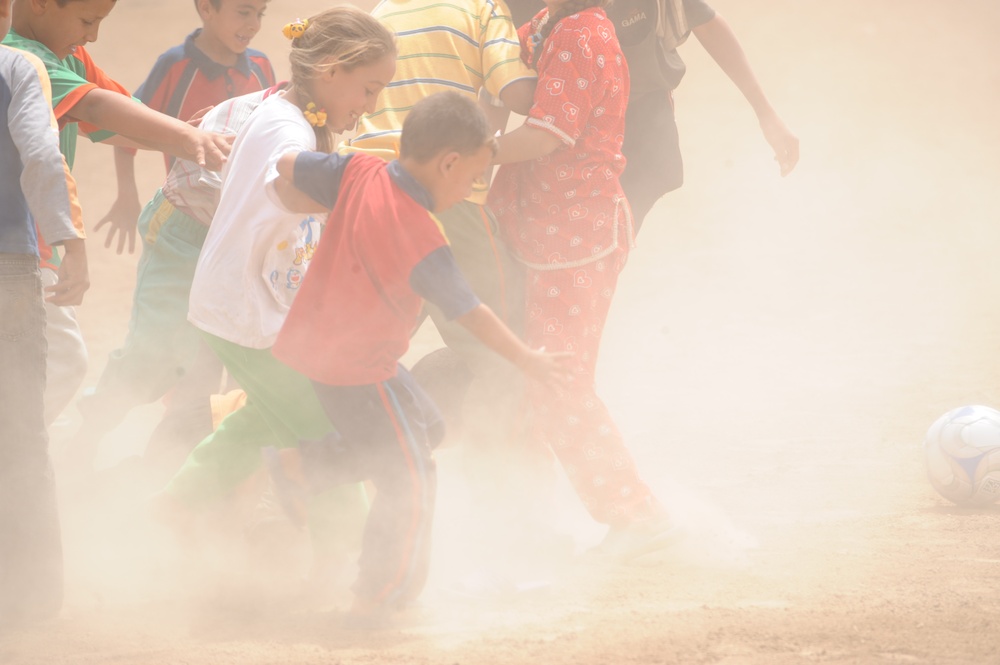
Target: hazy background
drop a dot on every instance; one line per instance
(777, 349)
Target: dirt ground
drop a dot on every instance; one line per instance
(777, 349)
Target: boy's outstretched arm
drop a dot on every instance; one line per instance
(553, 369)
(115, 112)
(124, 213)
(721, 43)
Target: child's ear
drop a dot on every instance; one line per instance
(39, 6)
(204, 8)
(448, 162)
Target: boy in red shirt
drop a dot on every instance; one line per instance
(381, 254)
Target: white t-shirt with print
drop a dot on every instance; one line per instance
(256, 252)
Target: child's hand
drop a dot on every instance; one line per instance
(782, 141)
(195, 120)
(121, 220)
(555, 370)
(74, 276)
(209, 150)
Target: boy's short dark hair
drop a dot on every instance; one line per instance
(446, 121)
(215, 3)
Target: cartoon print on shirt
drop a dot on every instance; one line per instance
(286, 263)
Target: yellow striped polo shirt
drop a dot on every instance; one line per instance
(459, 45)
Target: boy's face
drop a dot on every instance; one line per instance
(74, 24)
(234, 23)
(458, 173)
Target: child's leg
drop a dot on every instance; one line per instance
(160, 345)
(574, 421)
(383, 436)
(511, 481)
(66, 364)
(31, 568)
(281, 409)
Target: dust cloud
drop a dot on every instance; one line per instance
(775, 353)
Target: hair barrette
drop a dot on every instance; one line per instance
(316, 117)
(295, 29)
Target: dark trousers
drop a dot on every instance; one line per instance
(31, 565)
(385, 433)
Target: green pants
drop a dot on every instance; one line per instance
(161, 346)
(281, 410)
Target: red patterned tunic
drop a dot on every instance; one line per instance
(566, 218)
(567, 209)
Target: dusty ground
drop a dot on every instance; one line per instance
(777, 350)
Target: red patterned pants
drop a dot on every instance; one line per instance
(567, 309)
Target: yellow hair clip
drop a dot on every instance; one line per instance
(316, 117)
(295, 29)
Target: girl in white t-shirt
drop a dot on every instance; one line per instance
(256, 252)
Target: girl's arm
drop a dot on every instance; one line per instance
(721, 43)
(117, 113)
(526, 143)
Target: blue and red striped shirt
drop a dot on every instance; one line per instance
(185, 80)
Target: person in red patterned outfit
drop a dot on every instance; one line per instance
(560, 204)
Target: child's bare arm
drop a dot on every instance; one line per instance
(519, 95)
(553, 369)
(524, 143)
(117, 113)
(721, 43)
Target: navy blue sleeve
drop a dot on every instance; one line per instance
(318, 174)
(438, 280)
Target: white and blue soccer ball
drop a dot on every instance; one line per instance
(962, 451)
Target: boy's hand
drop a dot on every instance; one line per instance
(121, 220)
(74, 276)
(209, 150)
(555, 370)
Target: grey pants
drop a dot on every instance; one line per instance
(31, 567)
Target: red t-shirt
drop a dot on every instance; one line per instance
(565, 208)
(356, 309)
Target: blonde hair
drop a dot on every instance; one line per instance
(343, 36)
(568, 8)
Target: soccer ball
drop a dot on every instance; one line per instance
(962, 450)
